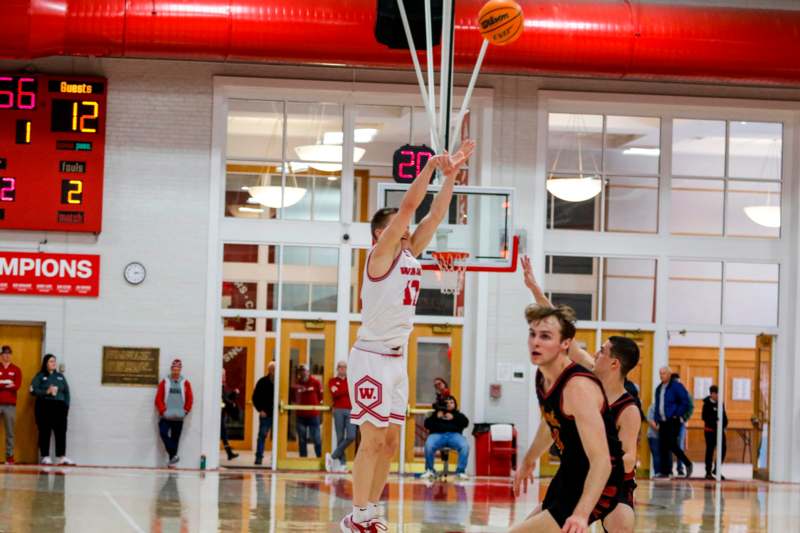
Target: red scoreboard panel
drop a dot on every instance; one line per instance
(52, 145)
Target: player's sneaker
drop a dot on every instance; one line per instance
(372, 526)
(462, 477)
(46, 460)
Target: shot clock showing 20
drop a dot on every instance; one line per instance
(52, 146)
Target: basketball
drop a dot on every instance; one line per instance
(501, 21)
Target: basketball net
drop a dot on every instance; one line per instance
(452, 262)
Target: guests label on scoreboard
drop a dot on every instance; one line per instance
(49, 274)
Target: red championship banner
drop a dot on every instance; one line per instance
(49, 274)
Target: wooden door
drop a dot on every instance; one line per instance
(238, 360)
(433, 351)
(26, 347)
(313, 344)
(761, 407)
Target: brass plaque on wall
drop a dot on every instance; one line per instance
(130, 366)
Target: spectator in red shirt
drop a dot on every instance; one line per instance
(345, 431)
(10, 380)
(307, 391)
(174, 400)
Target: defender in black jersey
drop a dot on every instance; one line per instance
(575, 412)
(617, 357)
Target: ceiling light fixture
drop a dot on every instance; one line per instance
(270, 195)
(637, 150)
(768, 216)
(574, 189)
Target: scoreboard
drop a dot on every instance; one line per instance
(52, 146)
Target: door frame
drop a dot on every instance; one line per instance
(436, 333)
(288, 328)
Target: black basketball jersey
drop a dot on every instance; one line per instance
(563, 428)
(620, 404)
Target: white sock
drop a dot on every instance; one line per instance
(374, 510)
(361, 514)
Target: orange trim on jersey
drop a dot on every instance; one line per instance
(547, 394)
(394, 264)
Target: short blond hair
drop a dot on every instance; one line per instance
(563, 313)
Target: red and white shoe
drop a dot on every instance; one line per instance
(372, 526)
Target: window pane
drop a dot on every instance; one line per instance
(632, 205)
(255, 130)
(295, 297)
(310, 276)
(632, 145)
(306, 129)
(249, 284)
(327, 198)
(751, 294)
(695, 292)
(753, 209)
(252, 190)
(433, 361)
(301, 208)
(698, 147)
(323, 298)
(755, 150)
(357, 262)
(696, 207)
(630, 290)
(573, 281)
(574, 143)
(562, 214)
(380, 130)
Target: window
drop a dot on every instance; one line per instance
(602, 172)
(283, 160)
(726, 178)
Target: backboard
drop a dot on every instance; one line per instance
(480, 222)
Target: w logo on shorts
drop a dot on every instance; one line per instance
(369, 393)
(366, 392)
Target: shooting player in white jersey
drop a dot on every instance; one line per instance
(376, 372)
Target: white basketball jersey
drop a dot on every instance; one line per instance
(388, 303)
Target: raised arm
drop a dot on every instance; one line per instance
(532, 284)
(441, 203)
(584, 400)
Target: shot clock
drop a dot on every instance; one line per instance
(52, 146)
(408, 162)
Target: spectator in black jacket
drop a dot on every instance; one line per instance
(229, 411)
(710, 417)
(263, 398)
(445, 427)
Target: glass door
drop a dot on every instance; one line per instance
(761, 407)
(434, 351)
(304, 413)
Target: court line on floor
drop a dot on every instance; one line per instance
(122, 511)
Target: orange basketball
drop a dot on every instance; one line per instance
(501, 21)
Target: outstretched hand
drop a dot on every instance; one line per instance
(459, 158)
(527, 272)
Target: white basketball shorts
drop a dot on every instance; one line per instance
(378, 382)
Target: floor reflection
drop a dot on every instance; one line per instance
(117, 500)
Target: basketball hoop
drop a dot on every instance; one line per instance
(453, 262)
